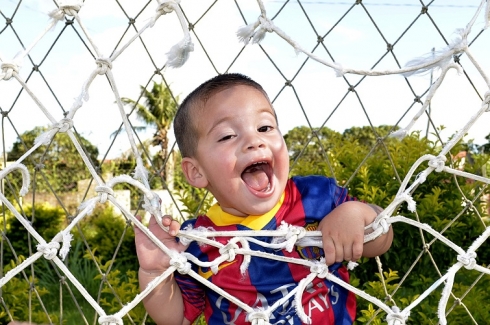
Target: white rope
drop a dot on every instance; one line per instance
(8, 70)
(19, 268)
(179, 53)
(26, 177)
(401, 133)
(286, 236)
(110, 320)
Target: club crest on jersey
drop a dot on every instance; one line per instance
(310, 252)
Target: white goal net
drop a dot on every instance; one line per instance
(408, 80)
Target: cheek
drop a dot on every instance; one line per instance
(281, 151)
(222, 162)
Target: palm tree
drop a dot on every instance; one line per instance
(157, 111)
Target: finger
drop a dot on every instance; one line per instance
(329, 249)
(339, 252)
(347, 253)
(357, 249)
(167, 220)
(173, 228)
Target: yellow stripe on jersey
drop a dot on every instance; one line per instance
(221, 218)
(206, 275)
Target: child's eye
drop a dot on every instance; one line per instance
(226, 137)
(265, 128)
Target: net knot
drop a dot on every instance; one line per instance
(180, 262)
(411, 204)
(320, 269)
(460, 43)
(49, 250)
(39, 166)
(103, 64)
(8, 70)
(229, 249)
(104, 192)
(110, 320)
(468, 260)
(265, 25)
(397, 317)
(64, 124)
(294, 233)
(70, 7)
(437, 163)
(185, 240)
(167, 6)
(258, 317)
(383, 223)
(486, 101)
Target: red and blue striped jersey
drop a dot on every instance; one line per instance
(305, 202)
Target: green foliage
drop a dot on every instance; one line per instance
(110, 236)
(57, 165)
(120, 289)
(156, 108)
(46, 220)
(372, 168)
(18, 293)
(200, 321)
(102, 231)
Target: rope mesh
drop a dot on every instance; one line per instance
(168, 41)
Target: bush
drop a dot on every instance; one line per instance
(21, 291)
(45, 219)
(373, 173)
(110, 235)
(111, 243)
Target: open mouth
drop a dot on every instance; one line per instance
(258, 176)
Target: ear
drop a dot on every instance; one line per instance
(192, 173)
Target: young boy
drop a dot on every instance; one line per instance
(228, 135)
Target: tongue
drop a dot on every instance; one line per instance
(257, 179)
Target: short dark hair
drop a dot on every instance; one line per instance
(185, 129)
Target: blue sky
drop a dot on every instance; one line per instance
(354, 42)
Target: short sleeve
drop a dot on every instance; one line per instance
(319, 195)
(193, 294)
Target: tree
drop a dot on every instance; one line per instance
(158, 111)
(57, 165)
(485, 147)
(327, 152)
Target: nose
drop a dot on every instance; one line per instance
(254, 141)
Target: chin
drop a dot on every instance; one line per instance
(263, 207)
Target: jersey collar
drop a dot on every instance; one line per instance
(221, 218)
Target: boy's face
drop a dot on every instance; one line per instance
(241, 155)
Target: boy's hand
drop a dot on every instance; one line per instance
(343, 231)
(151, 258)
